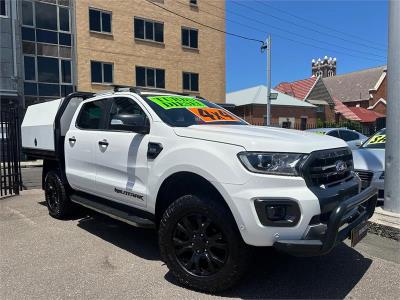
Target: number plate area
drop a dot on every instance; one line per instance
(358, 233)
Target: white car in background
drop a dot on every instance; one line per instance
(353, 138)
(369, 162)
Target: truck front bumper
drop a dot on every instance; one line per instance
(345, 217)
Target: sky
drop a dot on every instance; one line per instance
(355, 32)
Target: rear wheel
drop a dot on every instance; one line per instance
(57, 200)
(201, 245)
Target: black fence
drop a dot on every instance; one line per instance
(10, 151)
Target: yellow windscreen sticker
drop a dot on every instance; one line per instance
(213, 115)
(378, 139)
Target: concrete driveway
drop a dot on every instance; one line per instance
(94, 257)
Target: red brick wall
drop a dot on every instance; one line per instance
(254, 114)
(380, 93)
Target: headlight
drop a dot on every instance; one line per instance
(272, 163)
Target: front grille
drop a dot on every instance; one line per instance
(366, 177)
(329, 167)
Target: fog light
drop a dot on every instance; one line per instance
(276, 212)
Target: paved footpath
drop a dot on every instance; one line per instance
(94, 257)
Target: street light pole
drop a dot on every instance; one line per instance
(392, 155)
(267, 46)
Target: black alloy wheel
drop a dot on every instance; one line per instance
(58, 202)
(200, 246)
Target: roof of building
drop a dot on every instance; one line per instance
(299, 88)
(258, 95)
(344, 110)
(366, 115)
(354, 86)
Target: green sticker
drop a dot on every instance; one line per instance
(168, 102)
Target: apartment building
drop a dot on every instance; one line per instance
(138, 43)
(50, 48)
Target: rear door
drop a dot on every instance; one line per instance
(79, 143)
(121, 156)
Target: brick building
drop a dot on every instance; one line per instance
(286, 111)
(50, 48)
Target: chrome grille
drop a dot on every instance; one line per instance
(366, 177)
(329, 167)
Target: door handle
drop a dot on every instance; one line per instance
(72, 139)
(103, 143)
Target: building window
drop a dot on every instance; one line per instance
(101, 72)
(99, 21)
(27, 13)
(30, 68)
(48, 69)
(150, 77)
(63, 17)
(320, 109)
(330, 73)
(149, 30)
(66, 71)
(193, 2)
(190, 37)
(191, 81)
(3, 8)
(46, 16)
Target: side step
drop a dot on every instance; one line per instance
(116, 213)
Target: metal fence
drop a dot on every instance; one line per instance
(10, 151)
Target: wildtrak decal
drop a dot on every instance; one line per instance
(169, 102)
(130, 194)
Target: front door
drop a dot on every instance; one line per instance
(121, 156)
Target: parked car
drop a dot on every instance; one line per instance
(353, 138)
(209, 182)
(369, 162)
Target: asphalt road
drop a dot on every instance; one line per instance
(94, 257)
(31, 178)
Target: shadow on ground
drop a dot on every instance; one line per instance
(271, 275)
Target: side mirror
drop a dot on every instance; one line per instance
(131, 122)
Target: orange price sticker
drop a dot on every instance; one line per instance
(213, 114)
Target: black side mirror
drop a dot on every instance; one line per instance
(131, 122)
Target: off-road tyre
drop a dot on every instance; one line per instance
(57, 200)
(235, 259)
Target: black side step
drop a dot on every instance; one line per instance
(113, 212)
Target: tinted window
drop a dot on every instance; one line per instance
(140, 76)
(159, 32)
(96, 71)
(91, 115)
(45, 36)
(150, 77)
(28, 34)
(108, 73)
(348, 135)
(49, 89)
(64, 39)
(29, 68)
(30, 88)
(66, 71)
(123, 106)
(106, 22)
(27, 13)
(333, 133)
(66, 90)
(3, 11)
(46, 16)
(64, 18)
(190, 81)
(48, 69)
(94, 20)
(189, 37)
(139, 28)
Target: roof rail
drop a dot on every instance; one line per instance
(139, 90)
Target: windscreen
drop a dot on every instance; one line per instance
(184, 111)
(377, 141)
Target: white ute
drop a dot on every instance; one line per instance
(209, 182)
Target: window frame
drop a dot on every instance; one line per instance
(102, 72)
(102, 11)
(6, 9)
(190, 82)
(153, 40)
(145, 77)
(189, 29)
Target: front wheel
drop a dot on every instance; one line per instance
(57, 200)
(201, 245)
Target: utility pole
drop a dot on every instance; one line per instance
(392, 155)
(267, 46)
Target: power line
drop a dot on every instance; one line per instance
(297, 34)
(324, 26)
(208, 26)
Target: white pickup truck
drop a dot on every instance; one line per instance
(209, 182)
